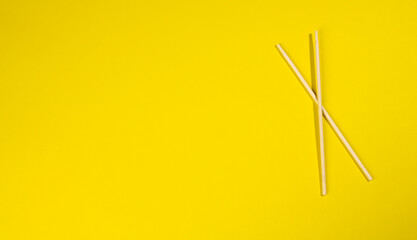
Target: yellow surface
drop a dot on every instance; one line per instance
(180, 120)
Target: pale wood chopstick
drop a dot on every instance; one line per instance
(320, 119)
(325, 114)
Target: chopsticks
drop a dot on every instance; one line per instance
(317, 101)
(320, 118)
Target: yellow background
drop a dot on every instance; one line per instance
(180, 120)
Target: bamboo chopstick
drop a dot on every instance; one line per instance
(326, 115)
(320, 118)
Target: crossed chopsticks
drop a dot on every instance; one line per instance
(322, 112)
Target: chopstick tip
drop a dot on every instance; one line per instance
(278, 46)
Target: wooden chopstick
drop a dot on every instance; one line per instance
(320, 118)
(326, 115)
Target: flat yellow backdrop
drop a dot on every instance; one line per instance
(180, 120)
